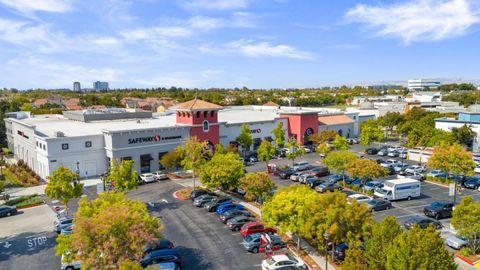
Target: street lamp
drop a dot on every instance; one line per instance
(326, 236)
(77, 172)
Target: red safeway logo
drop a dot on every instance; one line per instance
(157, 138)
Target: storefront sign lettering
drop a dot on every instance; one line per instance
(258, 130)
(155, 138)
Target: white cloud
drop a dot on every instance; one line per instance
(251, 48)
(155, 33)
(216, 4)
(418, 20)
(39, 5)
(206, 23)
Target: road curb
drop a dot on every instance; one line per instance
(30, 206)
(175, 195)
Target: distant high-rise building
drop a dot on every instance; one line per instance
(77, 87)
(422, 84)
(100, 86)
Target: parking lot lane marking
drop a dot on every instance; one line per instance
(403, 216)
(236, 233)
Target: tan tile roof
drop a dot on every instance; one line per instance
(197, 104)
(271, 104)
(40, 102)
(334, 119)
(73, 107)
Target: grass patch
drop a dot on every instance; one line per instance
(23, 201)
(440, 180)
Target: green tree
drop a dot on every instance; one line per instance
(452, 159)
(419, 249)
(390, 120)
(245, 138)
(365, 169)
(195, 156)
(223, 171)
(354, 260)
(26, 107)
(62, 186)
(122, 176)
(109, 231)
(370, 131)
(294, 150)
(338, 161)
(265, 152)
(340, 143)
(257, 186)
(173, 159)
(323, 149)
(379, 241)
(466, 220)
(279, 135)
(464, 135)
(323, 137)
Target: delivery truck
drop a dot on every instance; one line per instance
(398, 189)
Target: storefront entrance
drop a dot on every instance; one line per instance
(145, 161)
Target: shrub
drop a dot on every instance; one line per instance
(466, 251)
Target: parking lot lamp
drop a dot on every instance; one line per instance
(326, 236)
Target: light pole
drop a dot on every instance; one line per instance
(326, 235)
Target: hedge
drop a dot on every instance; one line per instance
(25, 201)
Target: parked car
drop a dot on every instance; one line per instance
(159, 175)
(472, 183)
(460, 179)
(371, 151)
(295, 176)
(255, 227)
(400, 167)
(234, 213)
(318, 171)
(224, 208)
(253, 159)
(372, 185)
(329, 186)
(202, 200)
(477, 169)
(438, 210)
(403, 154)
(158, 245)
(6, 211)
(393, 153)
(339, 252)
(165, 266)
(147, 178)
(394, 148)
(199, 192)
(356, 182)
(415, 169)
(414, 175)
(422, 222)
(456, 242)
(382, 152)
(304, 178)
(390, 163)
(307, 149)
(301, 166)
(285, 174)
(278, 261)
(257, 242)
(236, 223)
(334, 178)
(358, 198)
(161, 256)
(67, 230)
(437, 173)
(74, 265)
(212, 205)
(314, 183)
(61, 223)
(378, 204)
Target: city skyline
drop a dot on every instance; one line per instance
(235, 43)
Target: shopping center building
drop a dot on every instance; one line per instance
(85, 141)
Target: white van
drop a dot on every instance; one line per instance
(404, 188)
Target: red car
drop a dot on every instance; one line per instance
(255, 227)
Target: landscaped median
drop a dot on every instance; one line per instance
(26, 201)
(183, 194)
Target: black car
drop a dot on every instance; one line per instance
(340, 251)
(199, 192)
(422, 222)
(6, 211)
(371, 151)
(438, 210)
(285, 174)
(212, 206)
(233, 213)
(314, 183)
(378, 204)
(161, 256)
(472, 183)
(158, 245)
(460, 179)
(328, 187)
(319, 171)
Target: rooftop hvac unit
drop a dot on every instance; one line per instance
(58, 134)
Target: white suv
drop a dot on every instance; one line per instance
(159, 175)
(147, 177)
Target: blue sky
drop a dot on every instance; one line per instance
(235, 43)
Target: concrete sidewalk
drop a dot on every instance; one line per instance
(19, 191)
